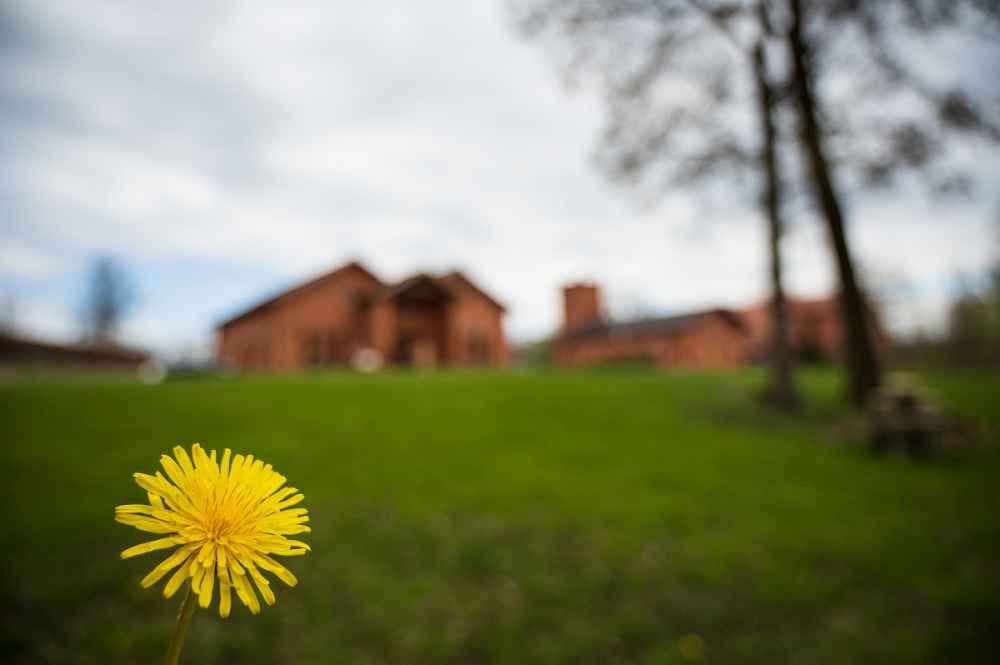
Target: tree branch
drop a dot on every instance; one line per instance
(721, 26)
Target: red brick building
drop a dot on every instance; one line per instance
(423, 320)
(709, 338)
(19, 354)
(815, 329)
(714, 337)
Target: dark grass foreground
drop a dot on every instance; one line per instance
(480, 518)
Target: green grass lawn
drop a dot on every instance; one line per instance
(514, 518)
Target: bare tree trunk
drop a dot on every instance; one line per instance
(782, 390)
(864, 373)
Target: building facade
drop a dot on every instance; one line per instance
(422, 321)
(815, 329)
(20, 354)
(709, 338)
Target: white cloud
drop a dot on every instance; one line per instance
(25, 261)
(410, 136)
(48, 321)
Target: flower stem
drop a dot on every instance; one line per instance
(183, 619)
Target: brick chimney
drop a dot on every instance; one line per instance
(581, 306)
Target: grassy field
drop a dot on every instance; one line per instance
(606, 517)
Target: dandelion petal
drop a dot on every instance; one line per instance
(226, 514)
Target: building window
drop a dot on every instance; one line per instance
(478, 348)
(338, 347)
(359, 300)
(313, 350)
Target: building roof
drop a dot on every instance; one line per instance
(413, 283)
(17, 347)
(456, 281)
(452, 284)
(656, 325)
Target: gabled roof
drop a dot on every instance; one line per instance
(413, 282)
(457, 280)
(452, 285)
(657, 325)
(297, 290)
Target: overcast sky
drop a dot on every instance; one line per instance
(224, 152)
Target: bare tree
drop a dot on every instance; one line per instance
(689, 97)
(678, 105)
(108, 297)
(852, 40)
(783, 387)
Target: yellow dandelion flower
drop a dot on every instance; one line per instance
(226, 518)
